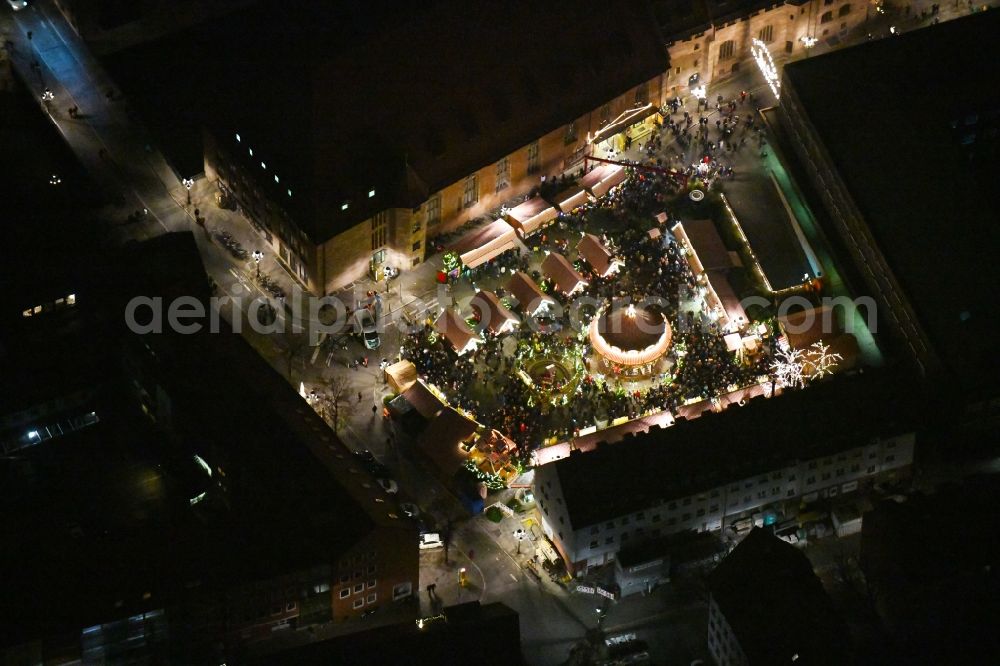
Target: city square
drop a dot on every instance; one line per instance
(556, 333)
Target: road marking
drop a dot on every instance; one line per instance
(513, 577)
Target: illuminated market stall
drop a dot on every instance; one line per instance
(595, 253)
(571, 198)
(492, 315)
(457, 332)
(481, 245)
(567, 280)
(599, 180)
(530, 299)
(532, 215)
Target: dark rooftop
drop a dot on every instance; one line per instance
(931, 562)
(342, 98)
(692, 456)
(106, 514)
(776, 605)
(912, 125)
(491, 632)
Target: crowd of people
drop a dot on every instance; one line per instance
(486, 383)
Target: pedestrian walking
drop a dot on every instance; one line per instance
(374, 409)
(359, 396)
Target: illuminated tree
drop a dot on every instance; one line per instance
(820, 361)
(787, 367)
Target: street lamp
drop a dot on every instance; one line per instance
(257, 256)
(188, 183)
(520, 534)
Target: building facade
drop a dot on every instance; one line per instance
(402, 236)
(841, 473)
(709, 41)
(767, 606)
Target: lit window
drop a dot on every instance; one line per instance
(276, 179)
(345, 205)
(26, 313)
(37, 309)
(289, 193)
(371, 193)
(263, 166)
(251, 152)
(238, 139)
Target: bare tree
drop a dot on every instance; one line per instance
(336, 394)
(291, 346)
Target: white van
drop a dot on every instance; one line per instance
(430, 540)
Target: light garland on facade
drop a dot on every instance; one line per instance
(763, 57)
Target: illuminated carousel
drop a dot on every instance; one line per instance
(630, 341)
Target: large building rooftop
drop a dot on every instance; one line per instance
(693, 456)
(911, 124)
(199, 470)
(776, 605)
(343, 98)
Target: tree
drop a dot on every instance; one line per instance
(787, 367)
(291, 345)
(336, 393)
(820, 361)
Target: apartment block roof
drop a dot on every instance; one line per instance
(689, 457)
(776, 606)
(924, 182)
(221, 476)
(365, 105)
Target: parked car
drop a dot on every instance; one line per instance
(366, 328)
(430, 540)
(410, 509)
(389, 486)
(374, 467)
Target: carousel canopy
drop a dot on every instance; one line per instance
(597, 255)
(558, 268)
(630, 336)
(456, 331)
(529, 297)
(492, 314)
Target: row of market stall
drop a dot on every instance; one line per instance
(480, 245)
(490, 313)
(449, 438)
